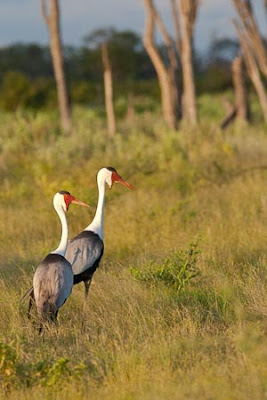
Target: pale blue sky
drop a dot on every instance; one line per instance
(20, 20)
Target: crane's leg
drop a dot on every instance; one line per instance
(40, 330)
(87, 287)
(31, 302)
(56, 321)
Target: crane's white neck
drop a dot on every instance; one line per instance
(62, 247)
(97, 225)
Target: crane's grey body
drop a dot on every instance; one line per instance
(84, 253)
(52, 285)
(53, 279)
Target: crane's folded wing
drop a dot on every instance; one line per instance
(84, 251)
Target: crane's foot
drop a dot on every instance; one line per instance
(31, 302)
(87, 285)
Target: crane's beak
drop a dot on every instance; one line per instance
(79, 202)
(119, 179)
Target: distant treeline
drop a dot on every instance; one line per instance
(26, 74)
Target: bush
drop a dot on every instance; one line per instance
(8, 366)
(176, 271)
(15, 90)
(47, 373)
(18, 91)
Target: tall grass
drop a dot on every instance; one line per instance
(161, 322)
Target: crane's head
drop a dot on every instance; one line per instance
(64, 199)
(109, 175)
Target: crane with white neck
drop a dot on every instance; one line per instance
(85, 250)
(53, 278)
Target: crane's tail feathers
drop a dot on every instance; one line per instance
(28, 293)
(49, 312)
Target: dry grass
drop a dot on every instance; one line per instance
(135, 339)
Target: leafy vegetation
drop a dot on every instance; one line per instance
(27, 82)
(163, 319)
(176, 271)
(15, 373)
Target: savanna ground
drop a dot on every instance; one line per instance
(178, 308)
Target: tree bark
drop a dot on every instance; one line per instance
(53, 24)
(165, 82)
(177, 26)
(244, 10)
(173, 67)
(252, 69)
(108, 84)
(188, 12)
(230, 115)
(240, 90)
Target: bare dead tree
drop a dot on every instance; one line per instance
(230, 114)
(188, 9)
(240, 90)
(252, 68)
(108, 85)
(52, 21)
(164, 77)
(249, 25)
(173, 68)
(240, 108)
(177, 26)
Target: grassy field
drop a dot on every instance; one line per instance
(178, 308)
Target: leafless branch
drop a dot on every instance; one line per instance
(244, 10)
(189, 9)
(160, 67)
(177, 25)
(166, 37)
(252, 67)
(44, 11)
(230, 115)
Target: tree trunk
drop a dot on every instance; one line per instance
(241, 95)
(108, 84)
(252, 69)
(189, 93)
(173, 66)
(175, 85)
(53, 24)
(253, 37)
(177, 69)
(230, 115)
(259, 87)
(188, 12)
(177, 26)
(165, 82)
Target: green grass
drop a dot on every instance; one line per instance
(178, 308)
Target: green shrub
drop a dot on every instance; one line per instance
(18, 91)
(15, 90)
(8, 365)
(176, 271)
(15, 372)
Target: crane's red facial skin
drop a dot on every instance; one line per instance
(68, 198)
(115, 177)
